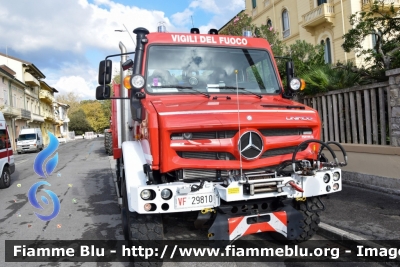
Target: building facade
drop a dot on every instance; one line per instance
(11, 91)
(61, 117)
(314, 21)
(46, 96)
(27, 101)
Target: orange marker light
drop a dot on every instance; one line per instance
(303, 84)
(127, 82)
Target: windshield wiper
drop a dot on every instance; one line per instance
(240, 88)
(181, 87)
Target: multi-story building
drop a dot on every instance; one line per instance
(315, 21)
(11, 90)
(27, 101)
(46, 96)
(60, 113)
(22, 101)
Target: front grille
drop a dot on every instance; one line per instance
(284, 132)
(206, 135)
(203, 173)
(281, 151)
(205, 155)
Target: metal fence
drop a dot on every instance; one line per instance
(358, 115)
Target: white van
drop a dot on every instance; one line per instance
(30, 140)
(7, 163)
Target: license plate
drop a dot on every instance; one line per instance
(199, 200)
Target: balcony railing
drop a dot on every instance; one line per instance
(324, 13)
(26, 114)
(49, 116)
(37, 117)
(46, 95)
(386, 3)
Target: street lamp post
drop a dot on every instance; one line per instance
(126, 30)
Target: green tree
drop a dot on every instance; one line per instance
(327, 77)
(70, 99)
(382, 24)
(95, 115)
(244, 21)
(79, 123)
(305, 55)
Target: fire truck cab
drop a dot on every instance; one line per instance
(202, 124)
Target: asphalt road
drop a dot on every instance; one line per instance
(83, 183)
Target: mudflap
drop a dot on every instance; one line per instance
(226, 228)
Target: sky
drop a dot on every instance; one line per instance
(66, 39)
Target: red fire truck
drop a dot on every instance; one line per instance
(202, 124)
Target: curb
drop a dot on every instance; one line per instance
(336, 234)
(377, 183)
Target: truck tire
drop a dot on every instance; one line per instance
(310, 222)
(310, 219)
(5, 179)
(108, 143)
(139, 227)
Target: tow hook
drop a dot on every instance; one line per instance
(207, 210)
(296, 187)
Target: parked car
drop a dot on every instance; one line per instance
(30, 140)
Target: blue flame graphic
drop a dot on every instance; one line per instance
(34, 202)
(42, 156)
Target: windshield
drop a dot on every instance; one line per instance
(24, 137)
(209, 70)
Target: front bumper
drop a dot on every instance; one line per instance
(27, 148)
(286, 221)
(184, 199)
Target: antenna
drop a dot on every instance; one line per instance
(240, 141)
(192, 22)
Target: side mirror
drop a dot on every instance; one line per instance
(289, 73)
(16, 139)
(127, 64)
(105, 68)
(103, 92)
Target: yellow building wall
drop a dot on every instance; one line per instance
(337, 26)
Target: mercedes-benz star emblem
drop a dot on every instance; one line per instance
(250, 145)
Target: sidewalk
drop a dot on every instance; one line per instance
(371, 166)
(357, 213)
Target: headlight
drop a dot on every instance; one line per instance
(297, 84)
(328, 188)
(336, 176)
(145, 194)
(326, 178)
(166, 194)
(335, 186)
(137, 81)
